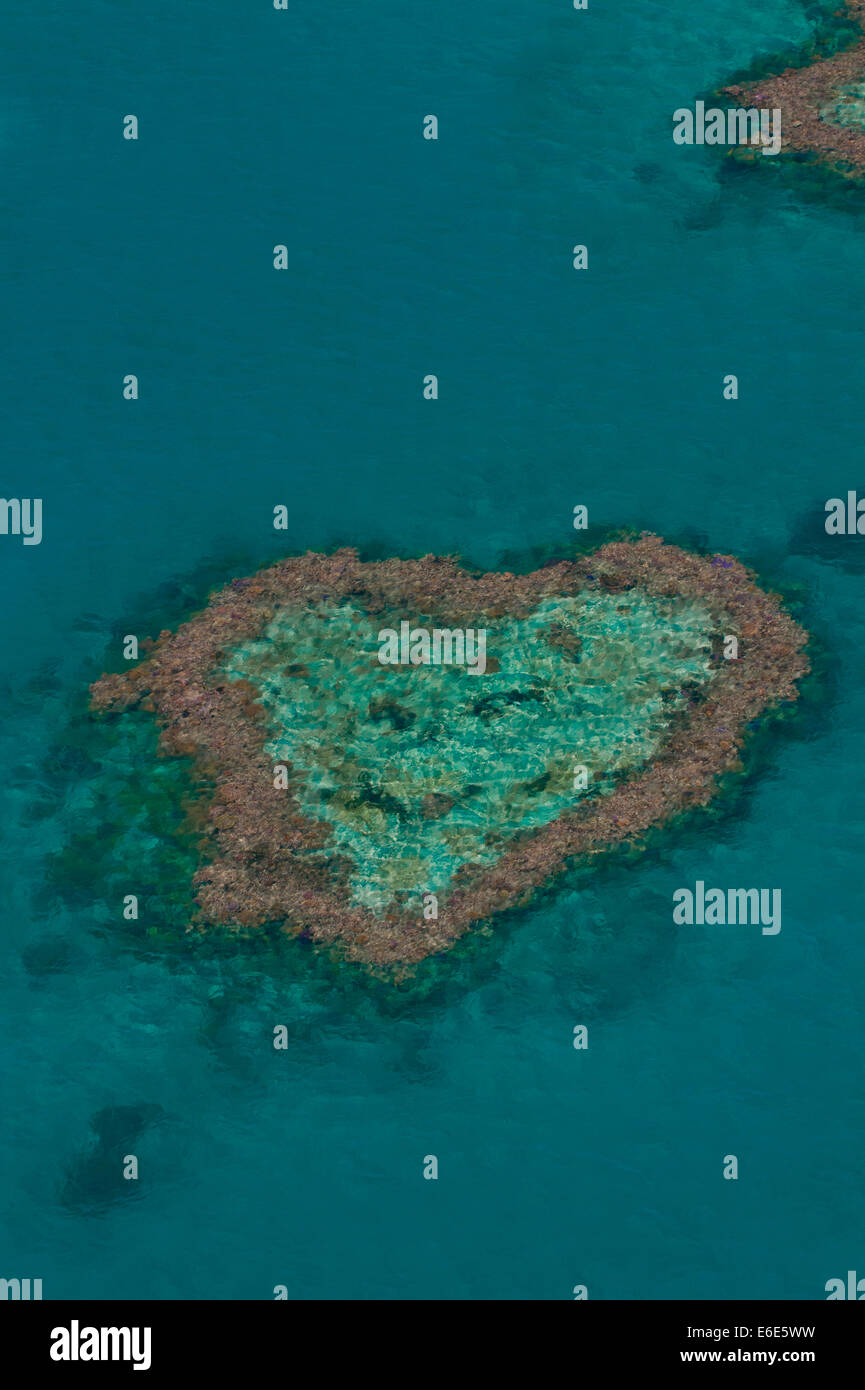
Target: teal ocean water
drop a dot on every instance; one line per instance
(303, 1167)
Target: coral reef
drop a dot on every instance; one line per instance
(343, 790)
(822, 105)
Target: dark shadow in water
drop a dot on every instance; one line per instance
(227, 1012)
(50, 955)
(95, 1181)
(810, 538)
(792, 180)
(703, 216)
(648, 172)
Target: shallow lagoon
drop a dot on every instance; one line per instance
(367, 744)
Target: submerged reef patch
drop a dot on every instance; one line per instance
(822, 103)
(383, 809)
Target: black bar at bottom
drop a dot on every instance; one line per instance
(67, 1338)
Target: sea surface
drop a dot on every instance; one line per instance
(304, 1167)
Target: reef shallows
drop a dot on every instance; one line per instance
(384, 809)
(822, 105)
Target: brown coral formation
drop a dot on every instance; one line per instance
(265, 863)
(806, 98)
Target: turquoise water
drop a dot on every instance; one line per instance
(304, 1167)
